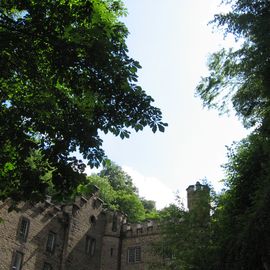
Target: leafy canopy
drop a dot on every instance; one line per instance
(116, 188)
(240, 77)
(186, 236)
(65, 76)
(240, 222)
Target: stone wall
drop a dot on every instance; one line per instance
(138, 240)
(85, 233)
(82, 236)
(111, 247)
(42, 220)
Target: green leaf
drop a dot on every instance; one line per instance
(161, 128)
(65, 64)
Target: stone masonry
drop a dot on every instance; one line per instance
(83, 235)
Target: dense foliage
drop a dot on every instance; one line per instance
(243, 216)
(64, 75)
(187, 239)
(239, 78)
(119, 193)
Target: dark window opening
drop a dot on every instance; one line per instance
(51, 241)
(93, 220)
(90, 245)
(17, 261)
(114, 223)
(47, 266)
(134, 254)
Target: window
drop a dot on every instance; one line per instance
(90, 245)
(134, 254)
(17, 261)
(94, 203)
(51, 242)
(47, 266)
(114, 224)
(23, 228)
(111, 252)
(93, 220)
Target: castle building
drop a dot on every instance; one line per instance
(83, 235)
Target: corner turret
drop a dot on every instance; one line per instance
(198, 196)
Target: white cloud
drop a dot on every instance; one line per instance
(151, 188)
(90, 171)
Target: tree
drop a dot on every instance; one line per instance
(187, 237)
(118, 191)
(126, 196)
(118, 179)
(149, 205)
(243, 220)
(241, 77)
(151, 211)
(65, 75)
(106, 191)
(131, 205)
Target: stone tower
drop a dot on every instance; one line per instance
(198, 197)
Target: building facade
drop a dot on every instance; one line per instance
(79, 236)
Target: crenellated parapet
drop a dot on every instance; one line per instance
(82, 233)
(198, 197)
(114, 222)
(45, 208)
(141, 229)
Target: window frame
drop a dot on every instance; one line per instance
(51, 242)
(23, 229)
(17, 258)
(134, 254)
(90, 245)
(114, 223)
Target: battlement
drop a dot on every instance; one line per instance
(196, 187)
(141, 229)
(197, 194)
(84, 232)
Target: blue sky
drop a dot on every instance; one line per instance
(171, 40)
